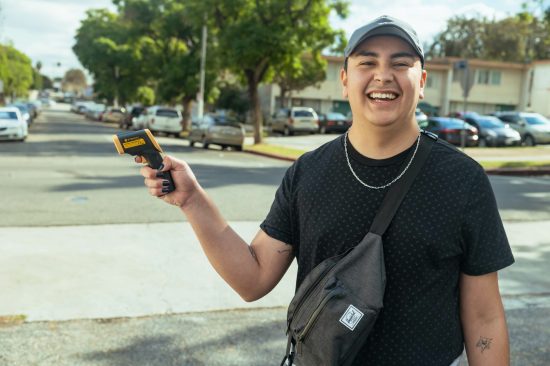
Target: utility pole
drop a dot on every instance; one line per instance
(115, 102)
(202, 73)
(466, 82)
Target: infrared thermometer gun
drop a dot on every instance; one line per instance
(142, 143)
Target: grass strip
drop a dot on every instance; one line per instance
(281, 151)
(10, 320)
(515, 164)
(291, 153)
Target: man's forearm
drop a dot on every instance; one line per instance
(487, 342)
(228, 253)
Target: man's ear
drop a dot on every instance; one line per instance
(344, 80)
(422, 84)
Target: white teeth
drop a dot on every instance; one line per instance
(382, 96)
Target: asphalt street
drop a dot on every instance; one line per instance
(107, 275)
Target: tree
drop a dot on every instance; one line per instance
(102, 47)
(16, 71)
(256, 36)
(167, 33)
(299, 73)
(74, 81)
(233, 98)
(520, 38)
(145, 96)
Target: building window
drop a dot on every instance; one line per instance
(483, 76)
(495, 77)
(488, 77)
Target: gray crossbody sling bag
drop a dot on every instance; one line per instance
(337, 304)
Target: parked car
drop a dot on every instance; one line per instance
(164, 119)
(420, 116)
(140, 121)
(12, 124)
(24, 110)
(218, 130)
(450, 130)
(114, 114)
(296, 119)
(534, 128)
(493, 132)
(95, 111)
(126, 121)
(333, 122)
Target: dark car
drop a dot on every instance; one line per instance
(333, 122)
(493, 132)
(126, 121)
(450, 130)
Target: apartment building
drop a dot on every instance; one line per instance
(497, 86)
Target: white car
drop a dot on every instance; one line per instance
(12, 124)
(164, 119)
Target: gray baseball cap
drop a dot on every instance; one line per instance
(385, 26)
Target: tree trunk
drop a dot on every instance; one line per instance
(282, 97)
(256, 107)
(186, 114)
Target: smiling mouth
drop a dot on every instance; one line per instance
(385, 96)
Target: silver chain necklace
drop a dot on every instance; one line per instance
(385, 185)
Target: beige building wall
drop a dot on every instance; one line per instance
(515, 90)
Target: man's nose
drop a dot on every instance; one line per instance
(383, 74)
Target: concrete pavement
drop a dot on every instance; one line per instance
(109, 271)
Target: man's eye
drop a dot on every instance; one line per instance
(367, 63)
(401, 64)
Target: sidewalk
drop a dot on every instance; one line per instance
(110, 271)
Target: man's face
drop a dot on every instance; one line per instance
(383, 82)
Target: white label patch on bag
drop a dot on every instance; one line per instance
(351, 317)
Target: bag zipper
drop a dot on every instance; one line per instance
(315, 285)
(312, 320)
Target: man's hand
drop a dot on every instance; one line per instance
(184, 181)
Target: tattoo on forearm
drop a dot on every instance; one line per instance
(484, 343)
(283, 251)
(252, 252)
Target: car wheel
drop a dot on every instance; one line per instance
(191, 143)
(286, 131)
(204, 143)
(323, 130)
(482, 142)
(529, 141)
(239, 147)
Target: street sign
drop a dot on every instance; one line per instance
(466, 76)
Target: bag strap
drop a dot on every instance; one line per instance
(397, 192)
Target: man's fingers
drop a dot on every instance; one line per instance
(138, 159)
(147, 172)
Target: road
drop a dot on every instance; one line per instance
(81, 239)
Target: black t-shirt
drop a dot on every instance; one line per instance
(447, 224)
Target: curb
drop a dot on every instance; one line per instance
(523, 172)
(270, 155)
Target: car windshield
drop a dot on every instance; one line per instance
(536, 120)
(22, 108)
(226, 121)
(8, 115)
(490, 122)
(167, 113)
(303, 114)
(336, 116)
(453, 123)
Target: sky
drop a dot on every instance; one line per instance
(44, 29)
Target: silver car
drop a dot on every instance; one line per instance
(217, 130)
(534, 128)
(295, 119)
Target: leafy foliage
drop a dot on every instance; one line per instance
(16, 71)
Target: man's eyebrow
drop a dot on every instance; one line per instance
(395, 55)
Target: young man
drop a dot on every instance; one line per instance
(442, 249)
